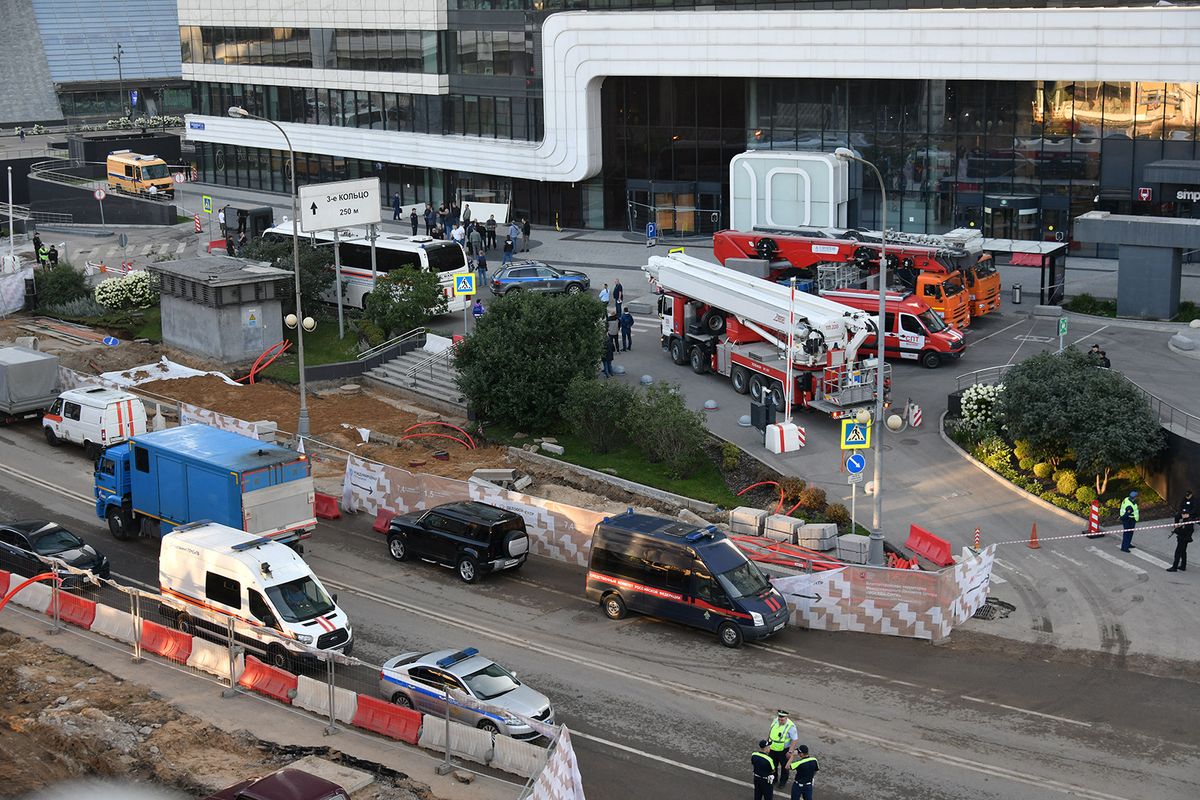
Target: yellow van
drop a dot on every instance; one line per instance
(134, 173)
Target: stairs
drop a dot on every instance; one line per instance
(428, 378)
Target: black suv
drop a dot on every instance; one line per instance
(474, 538)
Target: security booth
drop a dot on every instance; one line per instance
(253, 221)
(222, 307)
(1050, 259)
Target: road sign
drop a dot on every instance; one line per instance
(99, 194)
(1145, 194)
(122, 239)
(111, 341)
(651, 234)
(207, 201)
(464, 285)
(854, 477)
(1062, 326)
(133, 97)
(178, 177)
(855, 435)
(324, 206)
(856, 463)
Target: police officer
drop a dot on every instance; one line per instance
(1130, 514)
(1187, 506)
(806, 768)
(782, 737)
(1183, 537)
(764, 771)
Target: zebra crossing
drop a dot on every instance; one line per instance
(117, 253)
(1083, 559)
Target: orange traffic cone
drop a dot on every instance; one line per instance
(1033, 542)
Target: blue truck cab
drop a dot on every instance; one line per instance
(158, 481)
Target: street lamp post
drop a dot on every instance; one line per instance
(875, 551)
(240, 113)
(121, 78)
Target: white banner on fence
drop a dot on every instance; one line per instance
(560, 780)
(189, 414)
(12, 290)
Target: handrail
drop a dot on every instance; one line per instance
(415, 332)
(1167, 414)
(429, 362)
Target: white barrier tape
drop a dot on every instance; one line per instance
(519, 758)
(113, 623)
(214, 659)
(1097, 534)
(35, 596)
(313, 695)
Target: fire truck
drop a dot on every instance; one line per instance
(946, 273)
(912, 331)
(763, 336)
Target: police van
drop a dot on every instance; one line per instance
(695, 576)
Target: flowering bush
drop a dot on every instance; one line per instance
(979, 403)
(134, 290)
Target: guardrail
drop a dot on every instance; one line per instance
(1169, 416)
(429, 363)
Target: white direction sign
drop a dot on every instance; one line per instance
(325, 206)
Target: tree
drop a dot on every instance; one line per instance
(597, 410)
(667, 430)
(516, 365)
(404, 299)
(316, 271)
(1064, 402)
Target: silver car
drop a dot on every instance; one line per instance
(419, 681)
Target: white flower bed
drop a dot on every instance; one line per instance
(979, 403)
(134, 290)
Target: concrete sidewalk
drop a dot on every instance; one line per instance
(261, 718)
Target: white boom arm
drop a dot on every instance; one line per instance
(762, 303)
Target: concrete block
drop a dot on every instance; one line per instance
(495, 475)
(747, 521)
(779, 536)
(782, 525)
(550, 447)
(1047, 311)
(522, 483)
(853, 548)
(819, 536)
(1181, 342)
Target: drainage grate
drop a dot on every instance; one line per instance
(994, 609)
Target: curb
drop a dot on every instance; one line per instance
(1002, 481)
(1126, 322)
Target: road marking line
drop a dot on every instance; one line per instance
(774, 648)
(1149, 559)
(1026, 711)
(997, 579)
(1010, 567)
(1093, 333)
(1110, 557)
(1076, 562)
(182, 246)
(974, 342)
(575, 734)
(47, 485)
(146, 250)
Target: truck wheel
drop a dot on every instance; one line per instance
(678, 353)
(714, 323)
(397, 548)
(731, 635)
(699, 360)
(756, 388)
(740, 378)
(52, 438)
(119, 524)
(778, 396)
(468, 569)
(930, 360)
(613, 605)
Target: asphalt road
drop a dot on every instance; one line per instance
(664, 709)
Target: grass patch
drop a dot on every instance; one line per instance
(321, 346)
(630, 463)
(1087, 304)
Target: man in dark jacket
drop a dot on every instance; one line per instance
(526, 228)
(1183, 537)
(764, 771)
(806, 768)
(625, 323)
(395, 205)
(1186, 506)
(430, 219)
(618, 295)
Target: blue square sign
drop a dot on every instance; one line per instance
(464, 284)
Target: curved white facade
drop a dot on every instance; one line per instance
(580, 49)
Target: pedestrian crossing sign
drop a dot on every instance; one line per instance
(464, 285)
(207, 203)
(855, 435)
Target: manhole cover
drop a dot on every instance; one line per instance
(994, 609)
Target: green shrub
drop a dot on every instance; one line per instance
(731, 456)
(1048, 495)
(994, 452)
(1085, 494)
(1042, 470)
(60, 285)
(1022, 449)
(666, 429)
(812, 499)
(792, 487)
(372, 333)
(597, 411)
(1025, 464)
(1066, 482)
(79, 308)
(839, 514)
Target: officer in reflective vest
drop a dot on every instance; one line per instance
(764, 771)
(1130, 514)
(806, 768)
(783, 736)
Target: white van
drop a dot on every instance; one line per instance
(95, 417)
(209, 573)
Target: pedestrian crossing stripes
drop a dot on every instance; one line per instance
(1123, 564)
(1149, 559)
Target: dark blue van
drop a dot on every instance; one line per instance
(695, 576)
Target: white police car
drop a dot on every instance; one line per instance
(419, 681)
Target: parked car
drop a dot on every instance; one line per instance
(534, 276)
(286, 784)
(419, 681)
(472, 537)
(22, 542)
(95, 417)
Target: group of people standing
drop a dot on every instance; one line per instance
(47, 257)
(777, 757)
(477, 237)
(618, 334)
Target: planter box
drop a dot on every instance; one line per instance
(747, 521)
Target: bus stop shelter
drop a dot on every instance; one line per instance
(1049, 257)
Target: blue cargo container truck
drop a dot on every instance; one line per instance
(158, 481)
